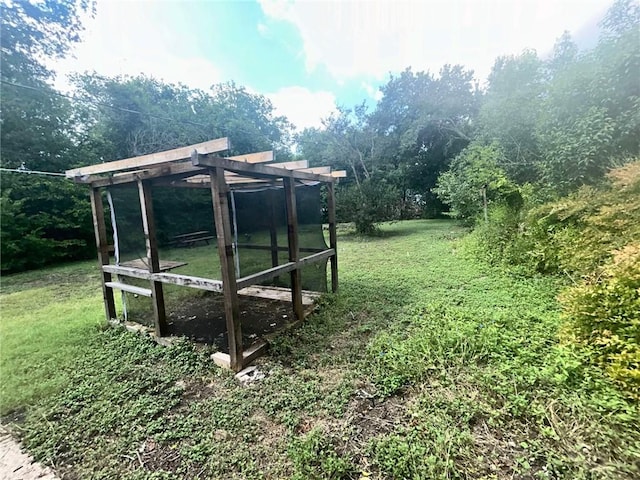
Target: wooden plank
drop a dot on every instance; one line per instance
(165, 265)
(225, 251)
(236, 178)
(145, 292)
(278, 293)
(211, 146)
(100, 230)
(256, 170)
(265, 275)
(258, 157)
(250, 246)
(333, 238)
(322, 170)
(339, 174)
(294, 250)
(273, 228)
(199, 283)
(148, 226)
(167, 172)
(256, 350)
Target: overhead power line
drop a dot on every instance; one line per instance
(129, 110)
(35, 172)
(100, 104)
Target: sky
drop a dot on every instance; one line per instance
(309, 56)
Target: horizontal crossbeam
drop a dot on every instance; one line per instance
(255, 170)
(211, 146)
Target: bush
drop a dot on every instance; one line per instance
(367, 204)
(43, 221)
(474, 175)
(603, 314)
(593, 237)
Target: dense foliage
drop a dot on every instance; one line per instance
(593, 237)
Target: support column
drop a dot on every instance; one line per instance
(294, 249)
(153, 259)
(100, 230)
(219, 191)
(333, 242)
(273, 228)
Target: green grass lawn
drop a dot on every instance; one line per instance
(426, 365)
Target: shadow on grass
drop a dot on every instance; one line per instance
(399, 229)
(343, 324)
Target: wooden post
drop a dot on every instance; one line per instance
(153, 259)
(225, 251)
(333, 243)
(273, 229)
(294, 249)
(100, 230)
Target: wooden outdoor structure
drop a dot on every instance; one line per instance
(200, 166)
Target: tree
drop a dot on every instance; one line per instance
(42, 218)
(422, 123)
(590, 120)
(510, 112)
(139, 115)
(475, 181)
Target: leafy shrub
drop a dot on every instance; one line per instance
(43, 221)
(592, 236)
(603, 313)
(367, 204)
(473, 172)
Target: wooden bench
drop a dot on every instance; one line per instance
(191, 239)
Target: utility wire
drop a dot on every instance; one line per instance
(35, 172)
(128, 110)
(100, 104)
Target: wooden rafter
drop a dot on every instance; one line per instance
(211, 146)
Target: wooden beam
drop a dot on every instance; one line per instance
(199, 283)
(125, 287)
(322, 170)
(169, 171)
(250, 246)
(100, 230)
(153, 259)
(211, 285)
(254, 351)
(273, 228)
(211, 146)
(174, 171)
(256, 170)
(294, 250)
(227, 268)
(333, 238)
(231, 177)
(339, 174)
(258, 157)
(265, 275)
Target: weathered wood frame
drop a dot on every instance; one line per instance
(170, 168)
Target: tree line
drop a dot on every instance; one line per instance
(433, 145)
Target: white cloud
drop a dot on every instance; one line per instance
(376, 37)
(125, 38)
(303, 107)
(374, 93)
